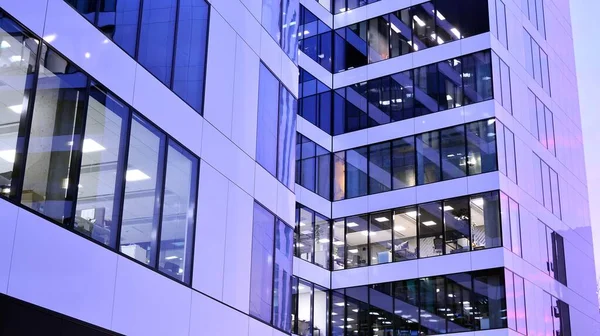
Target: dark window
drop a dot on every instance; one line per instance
(453, 152)
(432, 305)
(380, 168)
(119, 21)
(481, 147)
(157, 37)
(428, 157)
(403, 163)
(356, 172)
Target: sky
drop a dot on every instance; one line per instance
(584, 16)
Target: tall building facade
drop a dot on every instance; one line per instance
(275, 167)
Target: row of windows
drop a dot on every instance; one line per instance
(313, 166)
(547, 189)
(498, 26)
(448, 226)
(276, 129)
(534, 11)
(435, 87)
(434, 156)
(425, 306)
(536, 62)
(271, 269)
(391, 35)
(167, 37)
(79, 156)
(541, 122)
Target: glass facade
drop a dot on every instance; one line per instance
(462, 224)
(430, 157)
(432, 88)
(271, 269)
(276, 129)
(425, 306)
(168, 37)
(80, 157)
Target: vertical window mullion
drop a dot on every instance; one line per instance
(121, 173)
(175, 31)
(76, 158)
(138, 33)
(160, 186)
(25, 122)
(188, 266)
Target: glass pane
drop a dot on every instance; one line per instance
(511, 159)
(403, 163)
(378, 39)
(481, 147)
(271, 18)
(458, 303)
(178, 219)
(477, 77)
(141, 207)
(515, 226)
(428, 157)
(322, 241)
(102, 167)
(323, 182)
(406, 296)
(423, 26)
(485, 220)
(431, 230)
(356, 172)
(426, 89)
(380, 232)
(286, 138)
(457, 225)
(289, 41)
(18, 58)
(266, 133)
(119, 21)
(87, 8)
(190, 52)
(520, 305)
(306, 237)
(284, 252)
(401, 32)
(450, 84)
(510, 299)
(261, 274)
(432, 305)
(338, 249)
(453, 152)
(321, 311)
(55, 128)
(305, 294)
(157, 38)
(405, 234)
(379, 168)
(489, 301)
(339, 176)
(338, 313)
(381, 309)
(357, 232)
(357, 310)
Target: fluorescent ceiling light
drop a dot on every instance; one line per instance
(478, 202)
(353, 251)
(419, 21)
(439, 40)
(351, 224)
(440, 16)
(306, 32)
(4, 44)
(134, 175)
(455, 32)
(491, 121)
(450, 155)
(299, 245)
(448, 97)
(8, 155)
(447, 208)
(15, 58)
(349, 319)
(323, 240)
(411, 214)
(338, 243)
(171, 257)
(382, 219)
(16, 108)
(339, 304)
(394, 28)
(399, 228)
(301, 287)
(355, 310)
(429, 223)
(342, 10)
(90, 146)
(367, 233)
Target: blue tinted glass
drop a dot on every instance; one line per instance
(157, 37)
(282, 296)
(87, 8)
(428, 157)
(454, 163)
(289, 41)
(356, 172)
(118, 19)
(190, 54)
(286, 138)
(271, 18)
(261, 274)
(266, 133)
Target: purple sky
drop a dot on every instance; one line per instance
(584, 18)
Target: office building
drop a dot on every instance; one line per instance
(263, 167)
